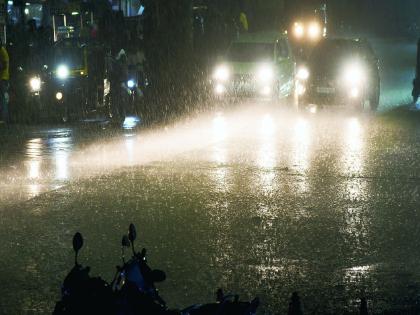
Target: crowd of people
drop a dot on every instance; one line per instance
(29, 47)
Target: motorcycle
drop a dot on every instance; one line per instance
(132, 290)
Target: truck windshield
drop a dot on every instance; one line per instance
(251, 52)
(333, 50)
(68, 54)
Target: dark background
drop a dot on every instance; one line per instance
(381, 17)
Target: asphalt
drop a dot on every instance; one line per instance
(256, 199)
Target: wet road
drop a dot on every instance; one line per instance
(257, 200)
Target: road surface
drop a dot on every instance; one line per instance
(255, 199)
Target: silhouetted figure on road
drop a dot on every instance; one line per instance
(363, 307)
(4, 83)
(295, 307)
(416, 82)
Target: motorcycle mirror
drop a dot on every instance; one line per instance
(125, 242)
(77, 245)
(132, 234)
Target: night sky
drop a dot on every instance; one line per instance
(381, 17)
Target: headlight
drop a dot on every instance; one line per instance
(354, 74)
(221, 73)
(314, 31)
(298, 30)
(265, 74)
(35, 84)
(302, 73)
(131, 84)
(62, 72)
(59, 96)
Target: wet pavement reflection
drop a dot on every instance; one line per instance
(256, 199)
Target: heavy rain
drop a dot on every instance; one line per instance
(269, 149)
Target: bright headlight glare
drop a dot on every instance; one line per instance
(265, 73)
(221, 73)
(354, 74)
(303, 73)
(219, 89)
(298, 30)
(130, 84)
(314, 30)
(35, 84)
(62, 72)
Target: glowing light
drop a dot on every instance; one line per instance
(59, 96)
(131, 84)
(26, 11)
(299, 30)
(354, 93)
(354, 74)
(221, 73)
(131, 122)
(314, 31)
(265, 73)
(266, 90)
(35, 84)
(62, 72)
(219, 89)
(303, 73)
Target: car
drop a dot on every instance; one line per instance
(258, 65)
(340, 72)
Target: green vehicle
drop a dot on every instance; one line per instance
(257, 65)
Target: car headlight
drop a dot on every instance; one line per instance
(131, 84)
(35, 84)
(302, 73)
(265, 74)
(314, 31)
(62, 72)
(221, 73)
(354, 74)
(298, 30)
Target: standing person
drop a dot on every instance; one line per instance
(118, 77)
(4, 83)
(416, 82)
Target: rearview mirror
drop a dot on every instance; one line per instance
(132, 233)
(77, 241)
(77, 245)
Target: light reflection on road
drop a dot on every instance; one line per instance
(266, 155)
(61, 148)
(34, 153)
(219, 151)
(353, 147)
(302, 137)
